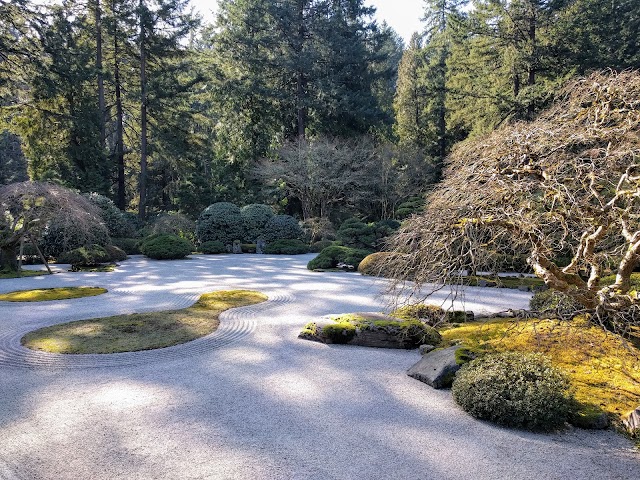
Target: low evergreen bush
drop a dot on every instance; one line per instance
(85, 256)
(287, 247)
(515, 390)
(116, 254)
(213, 247)
(131, 246)
(355, 233)
(282, 227)
(330, 257)
(320, 245)
(166, 247)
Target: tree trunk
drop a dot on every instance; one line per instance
(121, 199)
(101, 100)
(8, 259)
(142, 206)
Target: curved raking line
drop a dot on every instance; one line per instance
(234, 325)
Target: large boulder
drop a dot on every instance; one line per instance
(437, 368)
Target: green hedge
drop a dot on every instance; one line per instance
(515, 390)
(212, 247)
(85, 256)
(287, 247)
(166, 247)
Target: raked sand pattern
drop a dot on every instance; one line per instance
(251, 401)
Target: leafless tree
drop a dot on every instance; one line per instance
(26, 208)
(567, 183)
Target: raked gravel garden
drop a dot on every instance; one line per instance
(252, 400)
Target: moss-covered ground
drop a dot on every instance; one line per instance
(48, 294)
(140, 331)
(604, 370)
(23, 273)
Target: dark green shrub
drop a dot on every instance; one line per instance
(63, 235)
(85, 256)
(131, 246)
(515, 390)
(330, 257)
(213, 247)
(254, 220)
(220, 221)
(553, 301)
(176, 224)
(116, 254)
(339, 332)
(384, 229)
(282, 227)
(248, 247)
(412, 206)
(117, 223)
(355, 233)
(166, 247)
(287, 247)
(317, 247)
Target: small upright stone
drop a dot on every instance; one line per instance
(237, 246)
(260, 245)
(424, 349)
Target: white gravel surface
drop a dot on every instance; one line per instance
(252, 401)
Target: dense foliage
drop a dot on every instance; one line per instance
(334, 255)
(515, 390)
(166, 247)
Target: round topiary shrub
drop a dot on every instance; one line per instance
(116, 254)
(356, 234)
(373, 264)
(515, 390)
(281, 227)
(555, 302)
(287, 247)
(254, 220)
(166, 247)
(85, 256)
(330, 257)
(213, 247)
(175, 224)
(320, 245)
(131, 246)
(220, 221)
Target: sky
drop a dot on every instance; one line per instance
(402, 15)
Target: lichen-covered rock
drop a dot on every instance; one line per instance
(437, 368)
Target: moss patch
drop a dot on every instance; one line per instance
(504, 282)
(603, 369)
(48, 294)
(140, 331)
(23, 273)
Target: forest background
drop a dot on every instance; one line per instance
(310, 106)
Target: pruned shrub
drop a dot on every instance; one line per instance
(412, 206)
(384, 229)
(175, 224)
(131, 246)
(318, 246)
(373, 264)
(85, 256)
(330, 257)
(213, 247)
(554, 302)
(166, 247)
(356, 234)
(287, 247)
(64, 234)
(220, 221)
(254, 220)
(116, 254)
(515, 390)
(282, 227)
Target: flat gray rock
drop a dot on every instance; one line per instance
(436, 368)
